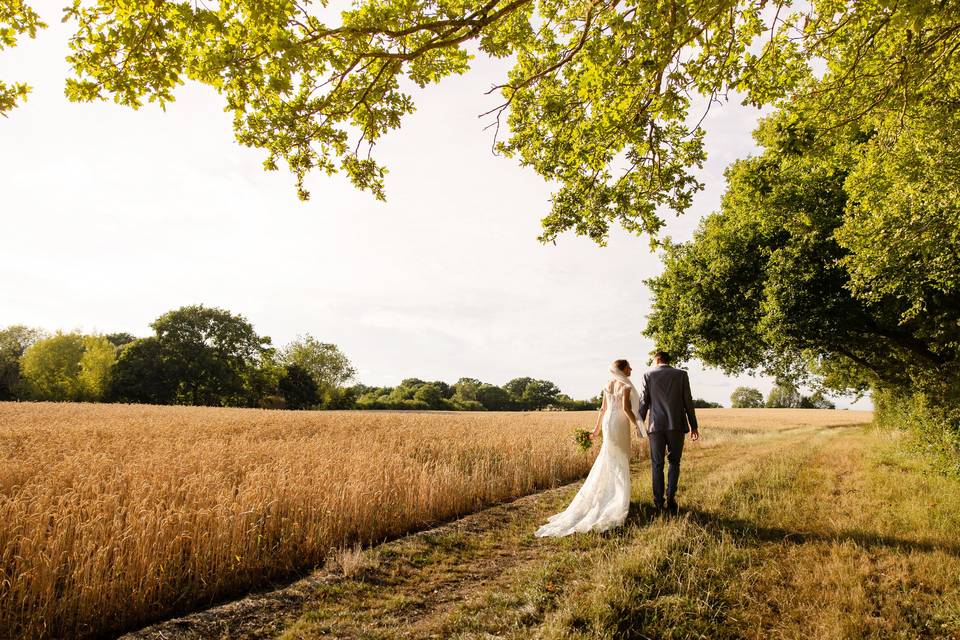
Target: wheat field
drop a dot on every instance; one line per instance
(112, 516)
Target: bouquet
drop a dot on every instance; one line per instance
(582, 438)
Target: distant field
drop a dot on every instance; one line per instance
(115, 515)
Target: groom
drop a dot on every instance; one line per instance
(667, 398)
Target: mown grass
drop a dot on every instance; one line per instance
(823, 541)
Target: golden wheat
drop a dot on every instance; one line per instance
(115, 515)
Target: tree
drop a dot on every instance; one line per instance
(517, 387)
(96, 367)
(417, 394)
(784, 395)
(144, 374)
(746, 398)
(298, 388)
(446, 390)
(771, 281)
(14, 340)
(326, 364)
(819, 401)
(532, 394)
(404, 391)
(494, 398)
(51, 367)
(120, 339)
(212, 354)
(16, 19)
(375, 398)
(344, 397)
(430, 394)
(262, 380)
(540, 394)
(598, 100)
(465, 389)
(414, 393)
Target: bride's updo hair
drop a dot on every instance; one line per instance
(621, 364)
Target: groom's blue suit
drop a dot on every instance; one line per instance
(667, 398)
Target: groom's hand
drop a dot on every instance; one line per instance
(694, 435)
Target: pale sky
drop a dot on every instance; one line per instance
(113, 217)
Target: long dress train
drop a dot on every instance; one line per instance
(604, 499)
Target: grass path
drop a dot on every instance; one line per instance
(800, 532)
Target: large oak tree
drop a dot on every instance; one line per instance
(835, 258)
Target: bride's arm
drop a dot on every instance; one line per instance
(628, 407)
(603, 408)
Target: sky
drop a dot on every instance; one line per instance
(113, 217)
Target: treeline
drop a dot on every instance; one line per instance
(783, 395)
(700, 403)
(467, 394)
(200, 355)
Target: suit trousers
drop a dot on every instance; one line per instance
(671, 444)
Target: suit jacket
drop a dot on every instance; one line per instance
(666, 396)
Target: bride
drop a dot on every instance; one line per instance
(604, 499)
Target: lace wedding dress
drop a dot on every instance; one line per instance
(604, 499)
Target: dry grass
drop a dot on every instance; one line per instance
(114, 515)
(841, 535)
(352, 561)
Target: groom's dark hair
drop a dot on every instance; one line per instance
(662, 356)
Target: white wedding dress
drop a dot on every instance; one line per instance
(604, 499)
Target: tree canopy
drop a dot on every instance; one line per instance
(68, 366)
(785, 279)
(746, 398)
(598, 100)
(199, 355)
(324, 362)
(834, 258)
(14, 340)
(16, 20)
(51, 367)
(143, 374)
(298, 388)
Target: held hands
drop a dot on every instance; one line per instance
(640, 429)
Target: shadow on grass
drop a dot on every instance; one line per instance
(746, 531)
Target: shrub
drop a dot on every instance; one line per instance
(933, 424)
